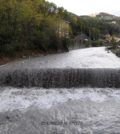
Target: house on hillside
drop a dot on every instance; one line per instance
(63, 33)
(63, 28)
(110, 38)
(80, 40)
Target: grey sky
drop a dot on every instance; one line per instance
(86, 7)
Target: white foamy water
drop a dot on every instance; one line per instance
(96, 57)
(13, 99)
(83, 110)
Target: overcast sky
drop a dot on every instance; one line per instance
(87, 7)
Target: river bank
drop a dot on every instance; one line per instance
(23, 55)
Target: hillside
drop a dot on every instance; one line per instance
(106, 16)
(40, 27)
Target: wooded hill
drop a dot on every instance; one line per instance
(37, 25)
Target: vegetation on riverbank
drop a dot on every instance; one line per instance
(116, 51)
(28, 26)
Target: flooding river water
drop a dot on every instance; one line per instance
(72, 93)
(60, 111)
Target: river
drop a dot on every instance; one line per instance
(57, 105)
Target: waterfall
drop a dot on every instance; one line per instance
(67, 93)
(60, 78)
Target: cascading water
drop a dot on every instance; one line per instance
(61, 78)
(82, 98)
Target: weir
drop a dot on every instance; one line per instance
(61, 78)
(71, 93)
